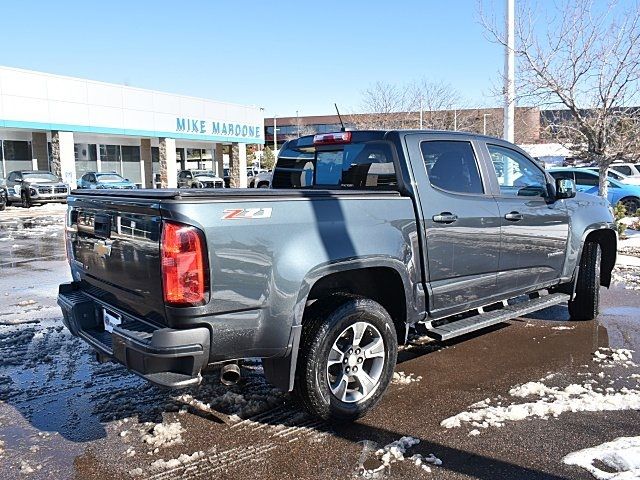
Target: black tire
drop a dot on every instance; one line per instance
(26, 203)
(631, 205)
(3, 205)
(263, 185)
(586, 303)
(321, 328)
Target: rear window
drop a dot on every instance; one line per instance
(359, 166)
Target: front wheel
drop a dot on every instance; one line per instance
(348, 351)
(586, 303)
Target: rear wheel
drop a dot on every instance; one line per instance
(263, 185)
(631, 205)
(347, 355)
(585, 305)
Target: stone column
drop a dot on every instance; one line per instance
(168, 167)
(234, 166)
(63, 161)
(218, 159)
(145, 158)
(40, 150)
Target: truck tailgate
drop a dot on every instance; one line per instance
(114, 250)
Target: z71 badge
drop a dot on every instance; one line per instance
(250, 213)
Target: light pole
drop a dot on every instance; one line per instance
(509, 75)
(484, 122)
(420, 112)
(297, 125)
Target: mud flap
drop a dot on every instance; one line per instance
(281, 372)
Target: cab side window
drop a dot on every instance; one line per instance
(451, 165)
(517, 175)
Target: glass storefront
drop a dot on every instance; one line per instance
(110, 159)
(131, 164)
(16, 155)
(86, 158)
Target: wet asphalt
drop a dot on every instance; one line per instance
(63, 416)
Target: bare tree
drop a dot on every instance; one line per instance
(584, 58)
(392, 106)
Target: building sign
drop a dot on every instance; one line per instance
(224, 129)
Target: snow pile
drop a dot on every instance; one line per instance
(622, 455)
(549, 401)
(247, 404)
(553, 402)
(562, 327)
(165, 435)
(403, 379)
(395, 451)
(609, 357)
(183, 459)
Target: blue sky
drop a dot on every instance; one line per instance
(283, 56)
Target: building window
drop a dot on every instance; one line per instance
(17, 155)
(86, 158)
(110, 159)
(131, 164)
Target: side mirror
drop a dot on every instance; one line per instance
(565, 188)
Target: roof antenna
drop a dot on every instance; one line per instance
(341, 122)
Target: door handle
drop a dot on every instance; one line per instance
(514, 216)
(445, 217)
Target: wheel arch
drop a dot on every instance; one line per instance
(608, 241)
(365, 277)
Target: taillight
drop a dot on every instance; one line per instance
(332, 138)
(184, 274)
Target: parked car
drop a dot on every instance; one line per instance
(628, 169)
(93, 180)
(618, 176)
(199, 179)
(30, 187)
(261, 180)
(587, 181)
(362, 236)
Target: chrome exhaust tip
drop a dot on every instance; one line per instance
(230, 374)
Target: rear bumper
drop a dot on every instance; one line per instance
(167, 357)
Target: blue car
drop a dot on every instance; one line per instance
(104, 180)
(587, 181)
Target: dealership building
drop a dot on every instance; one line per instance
(72, 126)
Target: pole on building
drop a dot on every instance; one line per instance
(275, 135)
(484, 122)
(509, 74)
(455, 120)
(297, 125)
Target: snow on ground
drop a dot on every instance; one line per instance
(621, 455)
(551, 401)
(395, 452)
(402, 378)
(164, 435)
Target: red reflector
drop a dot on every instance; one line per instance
(332, 138)
(184, 276)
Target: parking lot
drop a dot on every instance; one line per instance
(511, 402)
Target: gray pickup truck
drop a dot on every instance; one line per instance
(361, 236)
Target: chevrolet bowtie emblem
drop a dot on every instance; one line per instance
(103, 248)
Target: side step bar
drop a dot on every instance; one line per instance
(486, 319)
